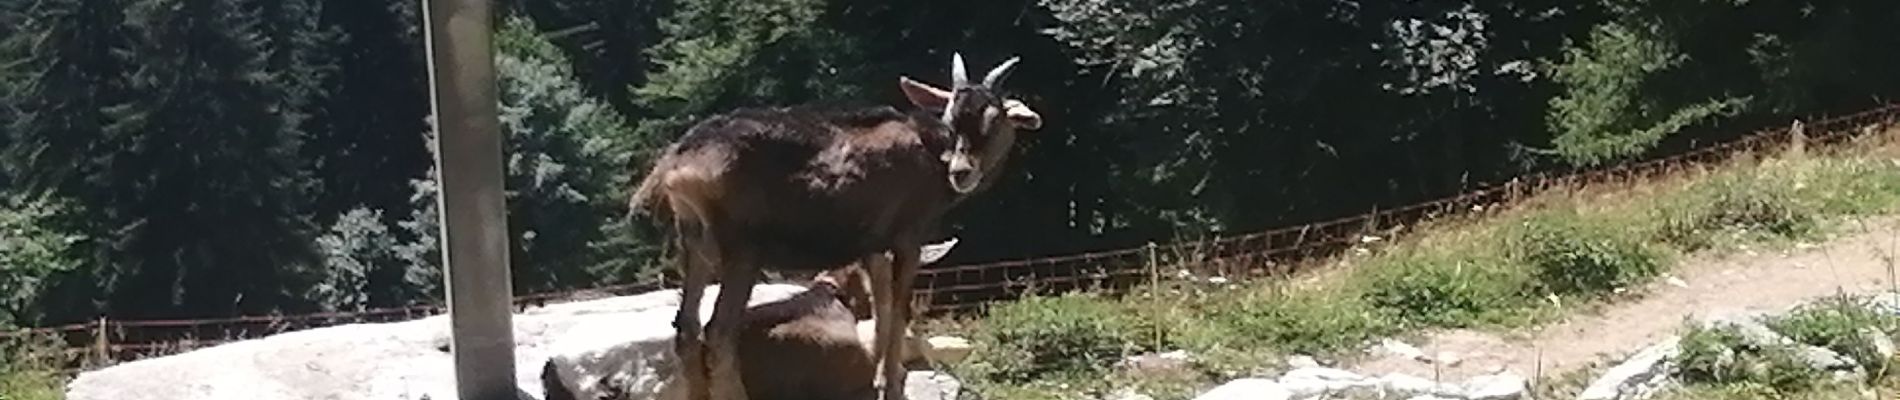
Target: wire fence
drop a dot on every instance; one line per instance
(965, 288)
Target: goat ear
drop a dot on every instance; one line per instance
(923, 95)
(1020, 115)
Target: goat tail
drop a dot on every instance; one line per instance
(645, 198)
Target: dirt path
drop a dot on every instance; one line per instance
(1852, 263)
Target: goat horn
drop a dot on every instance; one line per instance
(1001, 71)
(957, 73)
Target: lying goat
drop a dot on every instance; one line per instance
(805, 347)
(807, 189)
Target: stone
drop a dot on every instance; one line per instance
(1309, 382)
(1638, 376)
(931, 385)
(1503, 386)
(403, 360)
(1168, 361)
(1824, 359)
(1396, 384)
(1127, 394)
(1888, 303)
(1247, 389)
(914, 349)
(1301, 361)
(1882, 343)
(947, 349)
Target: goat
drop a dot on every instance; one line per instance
(805, 347)
(806, 188)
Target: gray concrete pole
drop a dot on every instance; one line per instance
(474, 224)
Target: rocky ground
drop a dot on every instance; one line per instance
(627, 341)
(1639, 334)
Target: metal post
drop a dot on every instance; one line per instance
(468, 164)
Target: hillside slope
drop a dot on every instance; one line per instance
(1858, 261)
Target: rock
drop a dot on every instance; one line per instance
(947, 349)
(1309, 382)
(1398, 385)
(1247, 389)
(401, 360)
(1638, 376)
(1503, 386)
(1882, 343)
(914, 349)
(1888, 303)
(1824, 359)
(931, 385)
(1127, 394)
(1749, 326)
(1173, 360)
(1301, 361)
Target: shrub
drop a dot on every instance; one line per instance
(26, 372)
(1852, 186)
(1744, 202)
(1568, 254)
(1718, 357)
(1042, 337)
(1303, 321)
(1841, 325)
(1447, 292)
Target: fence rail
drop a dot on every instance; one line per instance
(961, 288)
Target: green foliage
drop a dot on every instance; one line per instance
(28, 370)
(1605, 113)
(566, 157)
(1568, 253)
(717, 54)
(1843, 325)
(1717, 356)
(1446, 291)
(1301, 321)
(1044, 337)
(34, 246)
(1748, 202)
(187, 163)
(1481, 273)
(360, 253)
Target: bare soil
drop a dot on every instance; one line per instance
(1857, 260)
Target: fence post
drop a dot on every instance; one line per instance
(101, 346)
(1154, 286)
(1797, 139)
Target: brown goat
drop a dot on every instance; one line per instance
(808, 189)
(805, 347)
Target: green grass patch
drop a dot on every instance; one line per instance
(1570, 253)
(1713, 365)
(1845, 326)
(27, 372)
(1579, 246)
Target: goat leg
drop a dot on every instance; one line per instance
(738, 275)
(688, 345)
(906, 259)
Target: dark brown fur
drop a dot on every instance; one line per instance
(807, 189)
(805, 348)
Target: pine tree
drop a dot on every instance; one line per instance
(175, 125)
(366, 143)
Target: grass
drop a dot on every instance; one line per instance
(25, 375)
(1563, 248)
(1714, 366)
